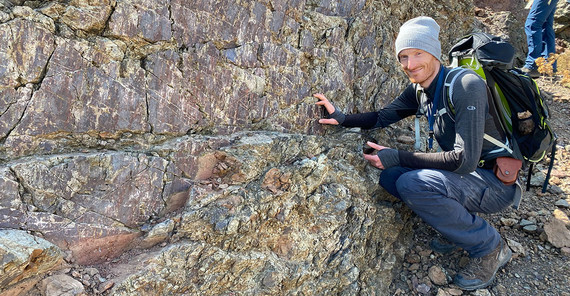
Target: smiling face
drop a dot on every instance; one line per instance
(420, 66)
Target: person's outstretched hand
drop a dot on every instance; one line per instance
(373, 158)
(323, 101)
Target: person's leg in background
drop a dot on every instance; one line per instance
(548, 34)
(538, 29)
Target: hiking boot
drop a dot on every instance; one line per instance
(480, 272)
(442, 246)
(533, 73)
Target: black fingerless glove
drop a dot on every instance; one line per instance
(339, 116)
(389, 157)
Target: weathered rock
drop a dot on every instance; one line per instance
(274, 238)
(481, 292)
(113, 69)
(89, 16)
(131, 21)
(437, 275)
(61, 285)
(158, 234)
(79, 210)
(562, 203)
(562, 20)
(530, 228)
(525, 222)
(557, 233)
(560, 215)
(28, 43)
(13, 103)
(508, 221)
(24, 259)
(454, 292)
(516, 247)
(103, 287)
(506, 21)
(117, 115)
(423, 289)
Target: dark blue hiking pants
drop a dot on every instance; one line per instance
(539, 29)
(447, 201)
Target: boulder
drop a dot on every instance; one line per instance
(25, 259)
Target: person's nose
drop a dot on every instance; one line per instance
(411, 63)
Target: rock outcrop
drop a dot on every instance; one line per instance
(175, 142)
(562, 20)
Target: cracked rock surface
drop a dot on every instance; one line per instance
(171, 147)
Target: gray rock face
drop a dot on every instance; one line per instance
(189, 127)
(562, 20)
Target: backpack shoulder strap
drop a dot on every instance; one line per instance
(449, 82)
(450, 79)
(417, 144)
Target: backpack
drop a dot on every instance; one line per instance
(515, 101)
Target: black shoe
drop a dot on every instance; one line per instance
(533, 73)
(441, 246)
(480, 272)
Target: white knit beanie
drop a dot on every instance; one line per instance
(422, 33)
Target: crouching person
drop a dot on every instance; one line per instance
(444, 188)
